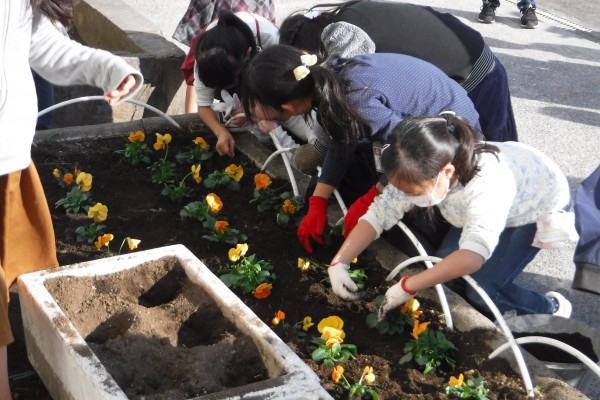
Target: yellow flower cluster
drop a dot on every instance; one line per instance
(331, 330)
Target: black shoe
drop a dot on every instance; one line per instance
(488, 13)
(528, 18)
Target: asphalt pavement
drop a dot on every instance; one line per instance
(554, 74)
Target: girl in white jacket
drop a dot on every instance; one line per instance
(28, 40)
(493, 194)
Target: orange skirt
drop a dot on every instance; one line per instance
(27, 241)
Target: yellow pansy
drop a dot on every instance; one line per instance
(84, 180)
(162, 141)
(200, 142)
(332, 321)
(214, 202)
(419, 328)
(56, 173)
(236, 253)
(133, 243)
(307, 323)
(329, 332)
(289, 207)
(262, 181)
(196, 173)
(333, 340)
(337, 373)
(235, 172)
(411, 307)
(99, 212)
(137, 136)
(303, 264)
(456, 382)
(103, 240)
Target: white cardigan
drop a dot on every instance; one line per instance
(520, 188)
(27, 42)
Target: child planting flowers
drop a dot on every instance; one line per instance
(363, 389)
(395, 322)
(247, 273)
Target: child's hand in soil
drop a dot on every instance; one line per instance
(394, 298)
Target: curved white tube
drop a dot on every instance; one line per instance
(88, 98)
(505, 329)
(555, 343)
(286, 162)
(438, 288)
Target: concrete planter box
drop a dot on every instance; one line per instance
(70, 369)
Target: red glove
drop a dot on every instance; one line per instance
(358, 209)
(313, 224)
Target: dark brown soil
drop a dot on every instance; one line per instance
(136, 209)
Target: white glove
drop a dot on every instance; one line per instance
(395, 296)
(341, 283)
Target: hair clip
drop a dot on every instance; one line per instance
(448, 116)
(312, 14)
(307, 60)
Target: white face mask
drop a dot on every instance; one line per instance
(427, 200)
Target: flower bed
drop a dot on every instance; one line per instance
(137, 210)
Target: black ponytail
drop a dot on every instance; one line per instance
(222, 51)
(420, 147)
(269, 81)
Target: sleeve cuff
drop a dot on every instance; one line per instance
(476, 248)
(370, 218)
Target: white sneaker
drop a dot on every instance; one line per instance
(564, 306)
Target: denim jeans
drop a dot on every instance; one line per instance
(496, 276)
(521, 4)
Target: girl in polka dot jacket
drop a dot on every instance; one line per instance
(495, 196)
(358, 101)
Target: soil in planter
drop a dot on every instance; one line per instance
(154, 316)
(136, 209)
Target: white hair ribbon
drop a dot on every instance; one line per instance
(307, 60)
(312, 14)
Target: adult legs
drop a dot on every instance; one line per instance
(491, 99)
(496, 276)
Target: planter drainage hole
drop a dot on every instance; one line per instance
(113, 327)
(165, 289)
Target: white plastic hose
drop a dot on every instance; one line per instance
(505, 329)
(282, 150)
(438, 288)
(89, 98)
(555, 343)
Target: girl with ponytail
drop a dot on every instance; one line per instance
(498, 198)
(358, 101)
